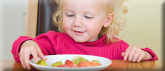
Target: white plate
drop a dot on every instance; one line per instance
(54, 58)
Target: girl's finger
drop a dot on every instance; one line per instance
(140, 58)
(35, 56)
(135, 57)
(41, 55)
(131, 54)
(26, 60)
(22, 61)
(122, 54)
(127, 53)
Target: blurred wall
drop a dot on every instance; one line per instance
(144, 25)
(12, 24)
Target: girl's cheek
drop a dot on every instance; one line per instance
(65, 19)
(64, 27)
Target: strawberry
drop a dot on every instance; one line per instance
(70, 63)
(62, 66)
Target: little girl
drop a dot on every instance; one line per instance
(88, 27)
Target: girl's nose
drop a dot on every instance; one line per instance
(77, 22)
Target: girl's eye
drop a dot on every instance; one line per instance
(89, 17)
(69, 15)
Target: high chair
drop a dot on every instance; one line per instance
(39, 17)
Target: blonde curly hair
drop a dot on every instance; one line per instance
(117, 7)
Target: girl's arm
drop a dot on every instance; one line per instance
(135, 54)
(44, 41)
(149, 51)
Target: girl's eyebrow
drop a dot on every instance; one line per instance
(91, 12)
(85, 11)
(67, 10)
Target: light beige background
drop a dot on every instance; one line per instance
(144, 24)
(12, 24)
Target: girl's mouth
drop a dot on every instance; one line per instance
(78, 32)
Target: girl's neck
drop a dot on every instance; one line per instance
(94, 39)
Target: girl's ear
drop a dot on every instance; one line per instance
(108, 20)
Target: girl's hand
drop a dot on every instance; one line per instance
(135, 54)
(28, 48)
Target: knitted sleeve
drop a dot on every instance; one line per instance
(154, 56)
(16, 46)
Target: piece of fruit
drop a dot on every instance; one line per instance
(70, 63)
(88, 64)
(62, 65)
(78, 59)
(57, 64)
(82, 59)
(42, 62)
(96, 61)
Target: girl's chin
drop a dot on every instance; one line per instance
(80, 41)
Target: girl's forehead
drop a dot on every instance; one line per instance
(83, 4)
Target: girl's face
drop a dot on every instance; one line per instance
(83, 19)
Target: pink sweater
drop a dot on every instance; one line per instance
(52, 43)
